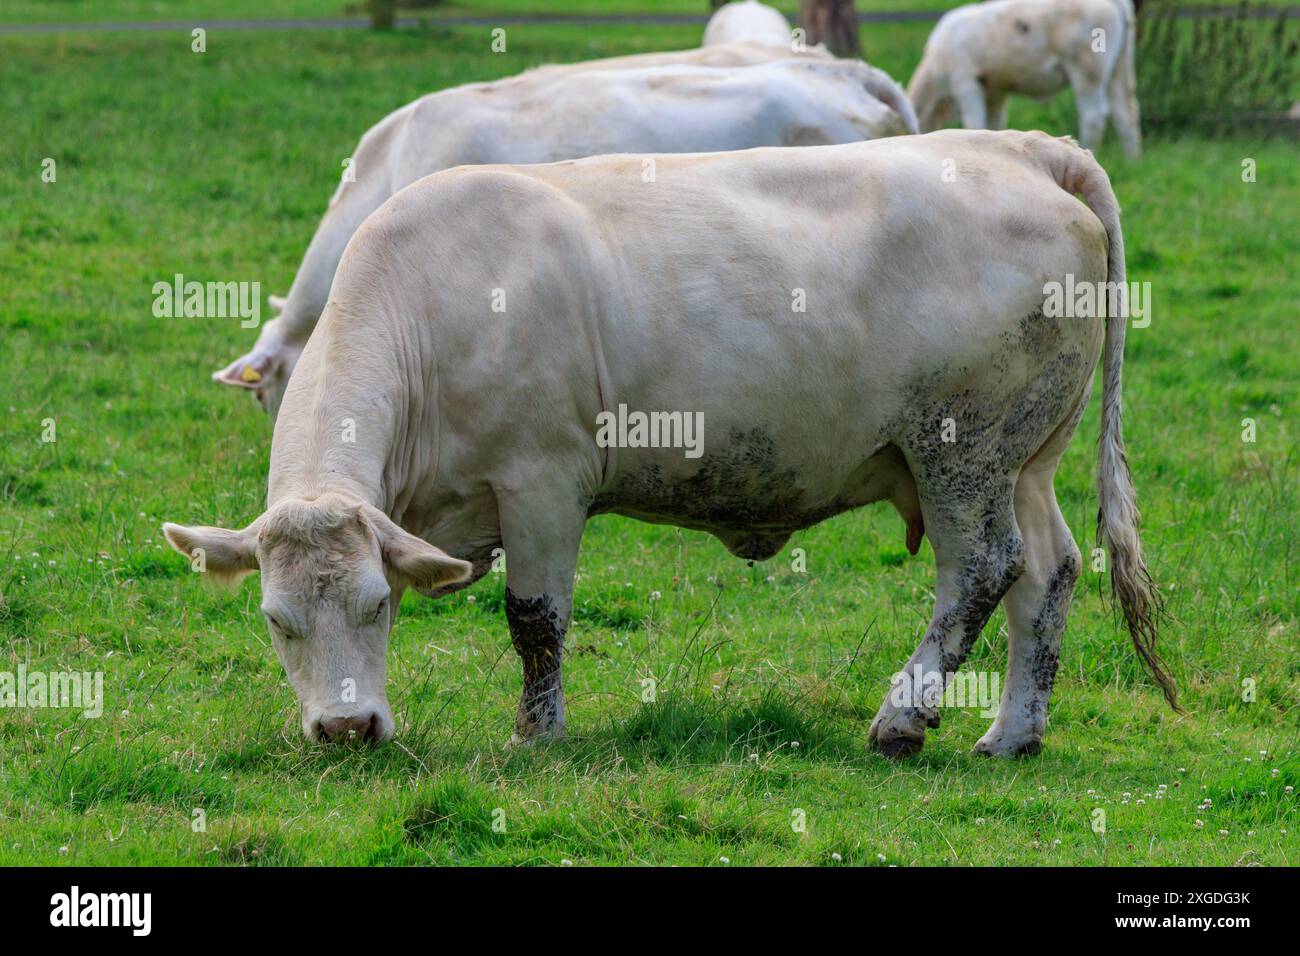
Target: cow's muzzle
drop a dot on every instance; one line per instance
(363, 727)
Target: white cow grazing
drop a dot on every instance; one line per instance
(490, 324)
(747, 20)
(544, 116)
(981, 53)
(734, 53)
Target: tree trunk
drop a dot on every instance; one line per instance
(833, 22)
(383, 14)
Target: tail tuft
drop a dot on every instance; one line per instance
(1131, 586)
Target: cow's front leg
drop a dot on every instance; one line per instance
(971, 103)
(541, 552)
(537, 628)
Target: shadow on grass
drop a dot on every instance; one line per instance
(682, 728)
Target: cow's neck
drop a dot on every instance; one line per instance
(340, 440)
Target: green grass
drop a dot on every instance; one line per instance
(218, 166)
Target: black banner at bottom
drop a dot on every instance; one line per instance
(336, 906)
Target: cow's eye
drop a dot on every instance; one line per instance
(276, 625)
(379, 610)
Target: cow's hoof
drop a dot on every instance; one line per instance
(901, 735)
(897, 747)
(518, 740)
(1009, 745)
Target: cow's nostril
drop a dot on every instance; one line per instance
(353, 727)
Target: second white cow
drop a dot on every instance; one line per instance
(980, 54)
(545, 116)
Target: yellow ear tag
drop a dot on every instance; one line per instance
(250, 374)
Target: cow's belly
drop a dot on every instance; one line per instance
(753, 489)
(1042, 79)
(1047, 80)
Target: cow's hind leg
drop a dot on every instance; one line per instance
(1124, 112)
(1037, 606)
(541, 535)
(968, 449)
(1092, 102)
(979, 555)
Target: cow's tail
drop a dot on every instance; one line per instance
(1077, 172)
(884, 88)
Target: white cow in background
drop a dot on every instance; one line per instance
(747, 20)
(543, 116)
(479, 428)
(737, 53)
(981, 53)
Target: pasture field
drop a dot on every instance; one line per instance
(219, 165)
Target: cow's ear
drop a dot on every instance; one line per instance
(226, 555)
(416, 562)
(247, 371)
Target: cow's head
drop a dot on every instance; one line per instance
(264, 371)
(333, 571)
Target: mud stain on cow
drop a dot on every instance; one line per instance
(966, 448)
(741, 491)
(1036, 335)
(1047, 628)
(981, 584)
(537, 631)
(536, 628)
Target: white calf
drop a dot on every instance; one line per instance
(978, 54)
